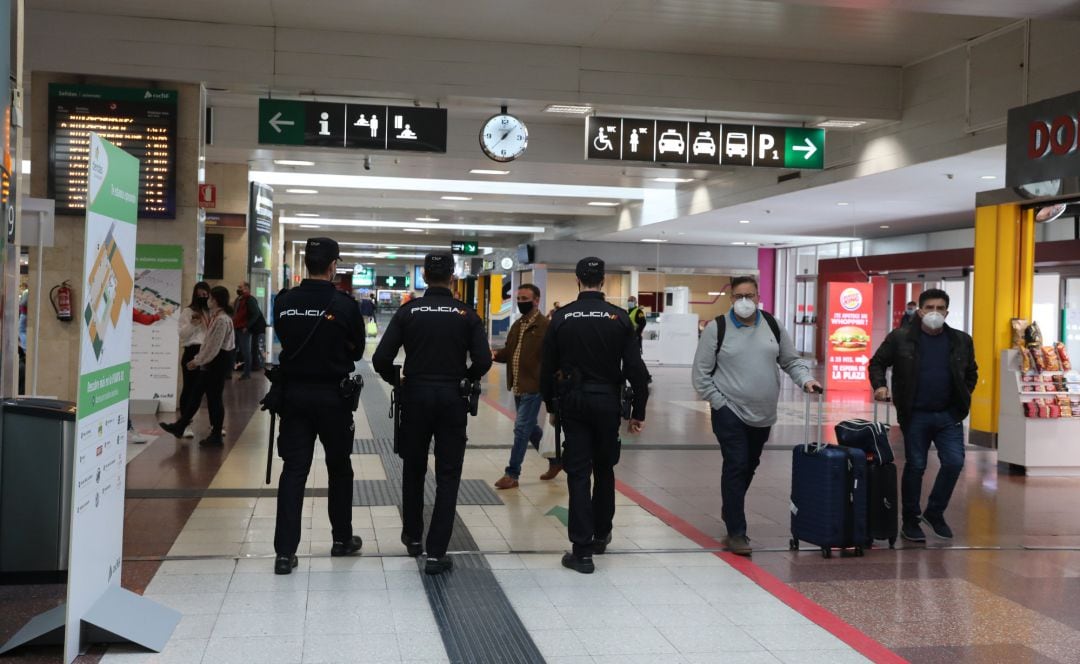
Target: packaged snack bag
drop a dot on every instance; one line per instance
(1063, 355)
(1018, 325)
(1038, 358)
(1052, 361)
(1033, 335)
(1026, 362)
(1064, 406)
(1030, 409)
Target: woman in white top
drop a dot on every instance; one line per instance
(212, 360)
(194, 320)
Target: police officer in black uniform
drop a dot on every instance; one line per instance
(589, 350)
(438, 332)
(322, 336)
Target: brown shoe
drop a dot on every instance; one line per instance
(553, 470)
(739, 545)
(506, 482)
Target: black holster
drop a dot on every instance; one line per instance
(626, 401)
(470, 393)
(350, 389)
(274, 399)
(396, 404)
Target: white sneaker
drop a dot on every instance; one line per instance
(138, 438)
(188, 433)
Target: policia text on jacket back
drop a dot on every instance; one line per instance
(438, 332)
(322, 336)
(589, 351)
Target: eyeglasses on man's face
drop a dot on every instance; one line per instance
(735, 297)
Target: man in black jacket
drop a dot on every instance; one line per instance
(934, 374)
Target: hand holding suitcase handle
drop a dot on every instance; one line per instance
(881, 395)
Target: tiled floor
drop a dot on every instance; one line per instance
(657, 597)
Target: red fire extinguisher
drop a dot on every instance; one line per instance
(60, 297)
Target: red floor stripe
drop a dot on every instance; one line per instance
(821, 616)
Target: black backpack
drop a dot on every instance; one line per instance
(721, 327)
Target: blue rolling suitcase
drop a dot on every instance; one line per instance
(828, 495)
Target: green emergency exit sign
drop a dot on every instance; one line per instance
(465, 248)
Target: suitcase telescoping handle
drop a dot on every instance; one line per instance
(820, 398)
(887, 413)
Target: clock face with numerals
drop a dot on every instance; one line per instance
(504, 137)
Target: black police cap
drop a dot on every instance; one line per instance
(322, 248)
(439, 264)
(590, 268)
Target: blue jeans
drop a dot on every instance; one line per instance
(741, 446)
(947, 435)
(526, 430)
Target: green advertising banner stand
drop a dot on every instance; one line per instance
(97, 608)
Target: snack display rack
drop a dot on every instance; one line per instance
(1044, 446)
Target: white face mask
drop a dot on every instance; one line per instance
(933, 320)
(744, 308)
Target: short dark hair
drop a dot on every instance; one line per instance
(531, 287)
(739, 281)
(592, 280)
(933, 294)
(437, 279)
(912, 302)
(318, 263)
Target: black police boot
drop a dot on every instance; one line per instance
(599, 544)
(435, 566)
(582, 564)
(413, 547)
(347, 548)
(175, 428)
(285, 564)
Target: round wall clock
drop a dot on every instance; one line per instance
(504, 137)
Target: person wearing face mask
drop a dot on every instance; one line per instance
(522, 358)
(194, 320)
(637, 317)
(910, 314)
(933, 375)
(213, 360)
(736, 371)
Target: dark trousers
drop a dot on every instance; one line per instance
(310, 411)
(591, 447)
(257, 340)
(741, 446)
(243, 348)
(214, 377)
(947, 434)
(432, 410)
(191, 394)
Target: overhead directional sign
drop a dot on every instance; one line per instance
(704, 143)
(391, 282)
(465, 248)
(357, 126)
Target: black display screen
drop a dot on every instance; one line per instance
(142, 122)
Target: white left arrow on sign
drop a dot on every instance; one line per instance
(810, 149)
(277, 123)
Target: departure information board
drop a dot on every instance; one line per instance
(139, 121)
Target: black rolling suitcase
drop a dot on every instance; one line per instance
(828, 495)
(884, 505)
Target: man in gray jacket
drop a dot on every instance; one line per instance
(739, 378)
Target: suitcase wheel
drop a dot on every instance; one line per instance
(793, 545)
(826, 553)
(892, 542)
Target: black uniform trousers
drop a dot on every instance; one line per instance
(591, 446)
(313, 410)
(432, 409)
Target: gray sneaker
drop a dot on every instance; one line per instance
(939, 527)
(739, 545)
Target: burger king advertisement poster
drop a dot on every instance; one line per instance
(848, 348)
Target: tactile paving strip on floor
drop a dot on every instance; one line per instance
(376, 492)
(475, 618)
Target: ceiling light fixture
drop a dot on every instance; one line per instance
(293, 162)
(306, 214)
(653, 240)
(739, 244)
(603, 203)
(488, 171)
(744, 221)
(406, 225)
(674, 180)
(714, 293)
(427, 219)
(301, 191)
(413, 230)
(843, 204)
(309, 226)
(456, 198)
(988, 177)
(841, 124)
(569, 109)
(884, 226)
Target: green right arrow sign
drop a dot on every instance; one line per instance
(804, 148)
